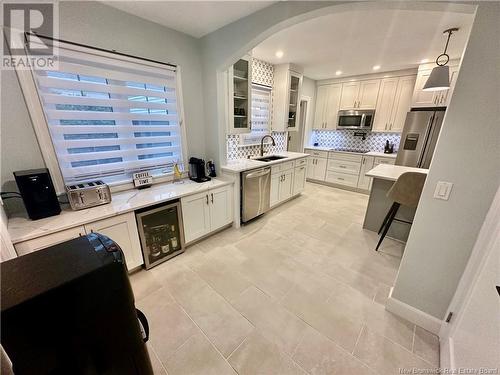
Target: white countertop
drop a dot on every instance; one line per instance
(22, 229)
(392, 172)
(242, 165)
(368, 153)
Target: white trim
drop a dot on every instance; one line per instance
(418, 317)
(182, 120)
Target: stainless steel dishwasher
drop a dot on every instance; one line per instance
(256, 193)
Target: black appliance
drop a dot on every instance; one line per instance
(37, 191)
(69, 309)
(197, 170)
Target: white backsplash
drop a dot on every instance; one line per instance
(346, 139)
(237, 151)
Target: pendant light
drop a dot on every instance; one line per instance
(440, 75)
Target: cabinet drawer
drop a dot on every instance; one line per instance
(300, 162)
(286, 166)
(341, 166)
(39, 243)
(317, 153)
(345, 156)
(381, 160)
(342, 178)
(275, 168)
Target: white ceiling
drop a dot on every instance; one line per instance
(353, 42)
(196, 18)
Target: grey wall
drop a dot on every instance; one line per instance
(101, 26)
(468, 155)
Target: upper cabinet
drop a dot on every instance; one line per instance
(287, 88)
(239, 80)
(393, 103)
(423, 98)
(327, 106)
(359, 94)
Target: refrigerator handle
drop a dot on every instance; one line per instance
(426, 140)
(144, 325)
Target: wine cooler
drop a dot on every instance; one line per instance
(161, 233)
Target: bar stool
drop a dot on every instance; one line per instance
(406, 191)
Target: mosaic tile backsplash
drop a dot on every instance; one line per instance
(346, 139)
(236, 151)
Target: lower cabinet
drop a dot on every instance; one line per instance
(316, 168)
(205, 212)
(365, 182)
(123, 230)
(299, 179)
(288, 180)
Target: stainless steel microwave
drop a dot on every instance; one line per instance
(353, 119)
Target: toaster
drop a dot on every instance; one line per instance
(88, 194)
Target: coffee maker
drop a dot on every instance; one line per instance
(197, 170)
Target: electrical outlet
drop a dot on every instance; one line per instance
(443, 190)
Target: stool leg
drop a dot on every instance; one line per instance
(394, 211)
(387, 217)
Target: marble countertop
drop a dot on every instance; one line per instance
(22, 229)
(392, 172)
(242, 165)
(368, 153)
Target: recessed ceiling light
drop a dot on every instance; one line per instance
(423, 61)
(376, 67)
(338, 72)
(279, 54)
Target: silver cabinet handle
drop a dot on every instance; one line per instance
(212, 197)
(342, 166)
(390, 125)
(340, 178)
(206, 196)
(364, 160)
(259, 173)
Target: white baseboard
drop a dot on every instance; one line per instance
(410, 313)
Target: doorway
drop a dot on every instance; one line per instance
(296, 138)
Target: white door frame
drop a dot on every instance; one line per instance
(486, 241)
(302, 130)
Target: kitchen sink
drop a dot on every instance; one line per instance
(270, 158)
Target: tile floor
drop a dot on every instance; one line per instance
(298, 291)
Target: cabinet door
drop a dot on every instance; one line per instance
(293, 104)
(39, 243)
(420, 97)
(320, 169)
(221, 207)
(123, 230)
(368, 94)
(385, 104)
(286, 185)
(364, 182)
(319, 114)
(299, 180)
(196, 216)
(332, 106)
(275, 189)
(445, 97)
(310, 167)
(349, 96)
(402, 103)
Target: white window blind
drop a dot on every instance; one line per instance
(109, 117)
(261, 115)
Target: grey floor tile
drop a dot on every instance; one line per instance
(426, 346)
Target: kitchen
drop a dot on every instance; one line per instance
(249, 230)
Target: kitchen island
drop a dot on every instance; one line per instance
(384, 176)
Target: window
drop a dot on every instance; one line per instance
(109, 117)
(261, 115)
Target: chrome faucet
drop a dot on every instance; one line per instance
(262, 143)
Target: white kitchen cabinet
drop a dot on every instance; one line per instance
(299, 179)
(365, 182)
(275, 189)
(286, 185)
(385, 104)
(26, 247)
(423, 98)
(360, 94)
(381, 160)
(282, 183)
(123, 230)
(286, 99)
(239, 96)
(316, 168)
(327, 106)
(206, 212)
(393, 103)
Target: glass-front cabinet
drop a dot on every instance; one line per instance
(286, 101)
(239, 80)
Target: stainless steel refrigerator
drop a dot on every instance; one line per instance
(419, 137)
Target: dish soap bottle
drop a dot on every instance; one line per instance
(387, 147)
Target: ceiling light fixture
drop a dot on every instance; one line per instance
(279, 54)
(338, 72)
(440, 75)
(376, 67)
